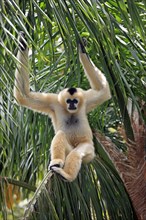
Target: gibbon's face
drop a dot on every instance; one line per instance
(71, 99)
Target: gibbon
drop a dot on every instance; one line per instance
(72, 143)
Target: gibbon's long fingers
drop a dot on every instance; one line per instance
(82, 45)
(22, 41)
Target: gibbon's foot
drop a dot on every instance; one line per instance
(56, 163)
(82, 45)
(22, 41)
(65, 176)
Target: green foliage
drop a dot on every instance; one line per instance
(116, 42)
(91, 196)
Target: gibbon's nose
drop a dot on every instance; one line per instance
(72, 106)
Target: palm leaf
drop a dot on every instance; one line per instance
(85, 198)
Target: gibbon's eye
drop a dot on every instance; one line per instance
(75, 101)
(68, 101)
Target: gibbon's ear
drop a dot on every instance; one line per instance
(22, 41)
(82, 45)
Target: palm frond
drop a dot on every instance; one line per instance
(85, 198)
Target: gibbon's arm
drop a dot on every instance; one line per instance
(100, 91)
(41, 102)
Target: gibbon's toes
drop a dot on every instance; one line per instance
(56, 169)
(82, 45)
(22, 41)
(56, 163)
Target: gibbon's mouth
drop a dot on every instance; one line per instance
(72, 108)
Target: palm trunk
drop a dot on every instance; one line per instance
(131, 166)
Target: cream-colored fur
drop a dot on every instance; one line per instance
(72, 143)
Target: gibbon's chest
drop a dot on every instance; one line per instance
(76, 125)
(71, 124)
(71, 121)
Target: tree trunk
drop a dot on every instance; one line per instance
(131, 166)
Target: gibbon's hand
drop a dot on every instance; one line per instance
(82, 45)
(22, 41)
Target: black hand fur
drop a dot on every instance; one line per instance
(22, 41)
(82, 45)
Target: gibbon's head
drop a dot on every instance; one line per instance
(71, 99)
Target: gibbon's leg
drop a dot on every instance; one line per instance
(84, 152)
(59, 148)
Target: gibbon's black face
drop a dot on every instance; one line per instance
(72, 102)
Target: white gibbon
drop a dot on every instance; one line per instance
(72, 143)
